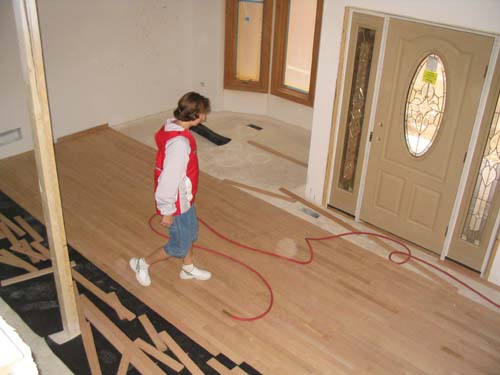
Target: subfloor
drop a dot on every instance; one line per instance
(349, 311)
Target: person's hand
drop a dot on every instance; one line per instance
(166, 221)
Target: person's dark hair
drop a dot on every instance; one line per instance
(190, 106)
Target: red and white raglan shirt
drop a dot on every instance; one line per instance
(176, 170)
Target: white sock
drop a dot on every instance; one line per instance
(142, 262)
(188, 267)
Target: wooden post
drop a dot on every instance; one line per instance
(30, 47)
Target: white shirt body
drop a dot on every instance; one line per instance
(173, 182)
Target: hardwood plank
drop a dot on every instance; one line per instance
(18, 231)
(180, 354)
(111, 299)
(117, 338)
(317, 324)
(124, 363)
(152, 333)
(378, 241)
(9, 258)
(88, 342)
(7, 233)
(238, 371)
(23, 247)
(122, 311)
(33, 233)
(41, 249)
(162, 357)
(29, 275)
(219, 367)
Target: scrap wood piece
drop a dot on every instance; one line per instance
(41, 249)
(28, 228)
(124, 362)
(88, 341)
(258, 190)
(7, 257)
(30, 275)
(8, 233)
(277, 153)
(377, 240)
(162, 357)
(110, 299)
(23, 247)
(18, 231)
(219, 367)
(122, 312)
(180, 354)
(153, 334)
(117, 338)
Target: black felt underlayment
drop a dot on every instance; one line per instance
(35, 301)
(209, 134)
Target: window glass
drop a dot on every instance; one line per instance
(359, 87)
(486, 184)
(425, 105)
(299, 46)
(249, 40)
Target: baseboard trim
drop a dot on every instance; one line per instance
(83, 132)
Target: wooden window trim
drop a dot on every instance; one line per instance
(230, 80)
(279, 49)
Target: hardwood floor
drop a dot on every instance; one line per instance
(349, 311)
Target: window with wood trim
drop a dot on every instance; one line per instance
(247, 45)
(297, 28)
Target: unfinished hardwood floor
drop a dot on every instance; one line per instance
(348, 312)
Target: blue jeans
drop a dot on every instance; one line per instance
(183, 232)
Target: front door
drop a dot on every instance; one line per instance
(431, 83)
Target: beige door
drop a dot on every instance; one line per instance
(357, 96)
(416, 159)
(481, 201)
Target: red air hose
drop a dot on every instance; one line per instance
(407, 256)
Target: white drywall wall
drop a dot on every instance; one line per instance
(208, 50)
(105, 61)
(13, 105)
(113, 61)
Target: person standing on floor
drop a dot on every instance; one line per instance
(176, 183)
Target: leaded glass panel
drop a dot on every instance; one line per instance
(425, 105)
(486, 184)
(359, 87)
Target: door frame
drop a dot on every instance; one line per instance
(473, 144)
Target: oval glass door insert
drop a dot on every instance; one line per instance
(425, 105)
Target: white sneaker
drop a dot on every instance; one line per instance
(192, 272)
(141, 270)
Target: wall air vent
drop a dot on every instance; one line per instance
(10, 136)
